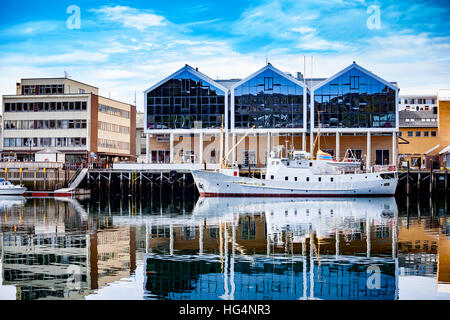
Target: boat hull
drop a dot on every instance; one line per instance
(216, 184)
(13, 191)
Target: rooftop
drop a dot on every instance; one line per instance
(59, 78)
(414, 119)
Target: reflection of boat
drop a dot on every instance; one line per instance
(273, 248)
(7, 202)
(301, 215)
(7, 188)
(301, 208)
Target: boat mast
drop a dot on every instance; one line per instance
(235, 145)
(318, 134)
(221, 146)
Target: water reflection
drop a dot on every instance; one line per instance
(175, 248)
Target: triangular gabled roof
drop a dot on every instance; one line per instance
(268, 67)
(357, 66)
(194, 72)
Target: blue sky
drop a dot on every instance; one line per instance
(127, 46)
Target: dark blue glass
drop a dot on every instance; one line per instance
(355, 100)
(268, 100)
(185, 101)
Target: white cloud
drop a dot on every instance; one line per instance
(74, 57)
(303, 30)
(130, 17)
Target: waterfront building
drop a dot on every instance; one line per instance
(417, 102)
(418, 137)
(69, 116)
(141, 144)
(185, 111)
(361, 110)
(444, 128)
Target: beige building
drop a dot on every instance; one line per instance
(69, 116)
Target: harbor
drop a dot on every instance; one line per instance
(278, 249)
(224, 159)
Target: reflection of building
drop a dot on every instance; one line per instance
(67, 115)
(424, 248)
(48, 250)
(207, 278)
(245, 246)
(116, 254)
(184, 112)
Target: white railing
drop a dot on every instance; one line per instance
(31, 165)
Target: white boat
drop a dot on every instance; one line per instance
(297, 175)
(7, 188)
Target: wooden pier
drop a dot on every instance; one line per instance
(144, 178)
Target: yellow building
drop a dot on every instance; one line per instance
(444, 126)
(418, 137)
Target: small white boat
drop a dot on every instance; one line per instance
(7, 188)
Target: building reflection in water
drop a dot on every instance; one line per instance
(229, 248)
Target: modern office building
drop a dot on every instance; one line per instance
(185, 111)
(68, 116)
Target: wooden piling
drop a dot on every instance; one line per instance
(408, 182)
(121, 185)
(445, 182)
(418, 181)
(129, 181)
(431, 176)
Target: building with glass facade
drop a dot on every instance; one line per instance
(352, 104)
(184, 112)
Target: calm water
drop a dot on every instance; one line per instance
(174, 248)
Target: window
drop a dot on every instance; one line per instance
(400, 133)
(356, 153)
(307, 179)
(410, 133)
(382, 157)
(426, 133)
(354, 82)
(433, 133)
(286, 178)
(248, 158)
(271, 177)
(268, 83)
(418, 133)
(81, 91)
(295, 178)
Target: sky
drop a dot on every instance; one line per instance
(125, 47)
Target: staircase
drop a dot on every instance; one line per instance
(75, 182)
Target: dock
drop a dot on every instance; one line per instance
(134, 178)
